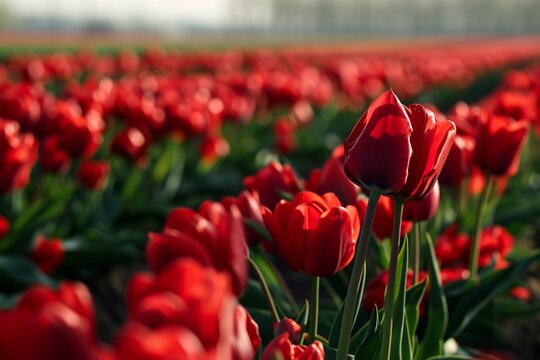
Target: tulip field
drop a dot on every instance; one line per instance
(340, 202)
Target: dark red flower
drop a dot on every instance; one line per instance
(383, 221)
(409, 145)
(425, 209)
(332, 178)
(52, 157)
(250, 206)
(93, 174)
(130, 143)
(4, 227)
(459, 163)
(48, 254)
(499, 142)
(271, 181)
(314, 234)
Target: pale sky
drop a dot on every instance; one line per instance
(201, 12)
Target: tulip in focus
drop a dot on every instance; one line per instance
(282, 348)
(425, 209)
(314, 234)
(397, 150)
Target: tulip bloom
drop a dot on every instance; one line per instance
(397, 150)
(459, 164)
(48, 254)
(4, 226)
(282, 348)
(250, 207)
(214, 236)
(93, 174)
(314, 234)
(382, 223)
(425, 209)
(271, 181)
(332, 178)
(498, 144)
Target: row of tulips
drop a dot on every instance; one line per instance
(377, 300)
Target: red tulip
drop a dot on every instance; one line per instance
(250, 207)
(52, 157)
(214, 236)
(48, 254)
(284, 133)
(4, 227)
(18, 154)
(332, 178)
(425, 209)
(130, 143)
(287, 325)
(282, 348)
(459, 163)
(397, 150)
(213, 148)
(450, 275)
(521, 293)
(59, 324)
(314, 234)
(93, 174)
(498, 144)
(383, 221)
(271, 181)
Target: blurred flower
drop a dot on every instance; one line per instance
(60, 324)
(271, 181)
(250, 208)
(425, 209)
(499, 143)
(48, 254)
(332, 178)
(288, 325)
(314, 234)
(521, 293)
(4, 227)
(383, 221)
(409, 144)
(284, 133)
(213, 148)
(93, 174)
(213, 236)
(459, 163)
(130, 143)
(18, 154)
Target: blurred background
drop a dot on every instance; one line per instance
(282, 19)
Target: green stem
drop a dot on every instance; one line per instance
(314, 308)
(279, 278)
(351, 299)
(266, 291)
(475, 251)
(390, 296)
(416, 251)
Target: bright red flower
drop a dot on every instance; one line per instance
(314, 234)
(495, 244)
(93, 174)
(213, 148)
(282, 348)
(214, 236)
(425, 209)
(383, 221)
(18, 154)
(59, 322)
(332, 178)
(499, 142)
(521, 293)
(450, 275)
(271, 181)
(188, 295)
(408, 144)
(288, 325)
(48, 254)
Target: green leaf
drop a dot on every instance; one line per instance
(331, 353)
(398, 321)
(333, 338)
(490, 284)
(18, 272)
(437, 312)
(365, 336)
(412, 308)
